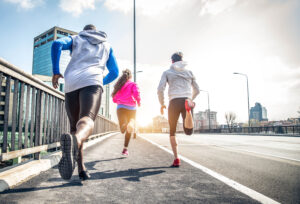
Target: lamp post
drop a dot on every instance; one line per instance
(245, 75)
(134, 44)
(208, 108)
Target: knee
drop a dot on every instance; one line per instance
(123, 128)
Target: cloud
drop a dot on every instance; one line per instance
(144, 7)
(76, 7)
(214, 7)
(26, 4)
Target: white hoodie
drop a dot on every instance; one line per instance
(90, 52)
(182, 83)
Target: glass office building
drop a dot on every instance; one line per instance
(42, 64)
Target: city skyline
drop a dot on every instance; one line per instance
(258, 38)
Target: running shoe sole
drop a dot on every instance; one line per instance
(67, 163)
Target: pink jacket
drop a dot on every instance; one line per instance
(128, 95)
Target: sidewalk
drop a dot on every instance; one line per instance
(143, 177)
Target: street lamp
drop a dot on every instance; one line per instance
(245, 75)
(208, 108)
(134, 44)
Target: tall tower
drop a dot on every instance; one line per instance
(42, 64)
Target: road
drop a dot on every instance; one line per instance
(143, 177)
(267, 164)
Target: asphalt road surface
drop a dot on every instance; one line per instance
(143, 177)
(269, 165)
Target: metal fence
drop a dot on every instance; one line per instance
(269, 130)
(32, 115)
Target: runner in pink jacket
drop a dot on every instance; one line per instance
(126, 94)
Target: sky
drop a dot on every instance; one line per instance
(259, 38)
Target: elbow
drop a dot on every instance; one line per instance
(116, 73)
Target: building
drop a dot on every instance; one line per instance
(42, 63)
(258, 113)
(201, 120)
(160, 124)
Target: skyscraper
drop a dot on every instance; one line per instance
(258, 113)
(42, 64)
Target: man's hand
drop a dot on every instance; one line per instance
(55, 80)
(162, 109)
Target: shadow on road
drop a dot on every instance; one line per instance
(132, 175)
(24, 190)
(129, 175)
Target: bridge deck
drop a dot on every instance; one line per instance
(143, 177)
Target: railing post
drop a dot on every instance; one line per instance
(6, 113)
(38, 124)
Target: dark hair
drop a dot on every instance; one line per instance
(89, 27)
(177, 56)
(121, 81)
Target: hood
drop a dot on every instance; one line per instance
(179, 66)
(93, 36)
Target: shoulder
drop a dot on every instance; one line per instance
(131, 83)
(168, 71)
(107, 46)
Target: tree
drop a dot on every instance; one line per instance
(230, 119)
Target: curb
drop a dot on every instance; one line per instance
(19, 174)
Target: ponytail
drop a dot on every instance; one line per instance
(126, 75)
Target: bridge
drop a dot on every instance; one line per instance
(216, 168)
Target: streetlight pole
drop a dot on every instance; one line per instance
(134, 44)
(245, 75)
(208, 108)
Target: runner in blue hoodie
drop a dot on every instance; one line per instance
(84, 80)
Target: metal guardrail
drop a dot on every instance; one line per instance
(269, 130)
(32, 114)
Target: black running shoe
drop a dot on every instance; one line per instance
(67, 163)
(84, 175)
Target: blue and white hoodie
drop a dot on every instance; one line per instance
(90, 54)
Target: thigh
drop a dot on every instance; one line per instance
(72, 108)
(130, 114)
(90, 101)
(122, 117)
(173, 115)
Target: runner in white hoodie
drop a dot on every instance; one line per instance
(183, 89)
(84, 80)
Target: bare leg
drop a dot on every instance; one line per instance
(84, 129)
(173, 142)
(188, 122)
(131, 126)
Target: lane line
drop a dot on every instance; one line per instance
(264, 154)
(237, 186)
(232, 148)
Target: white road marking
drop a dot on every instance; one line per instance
(249, 192)
(265, 154)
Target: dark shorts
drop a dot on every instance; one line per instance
(177, 107)
(83, 102)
